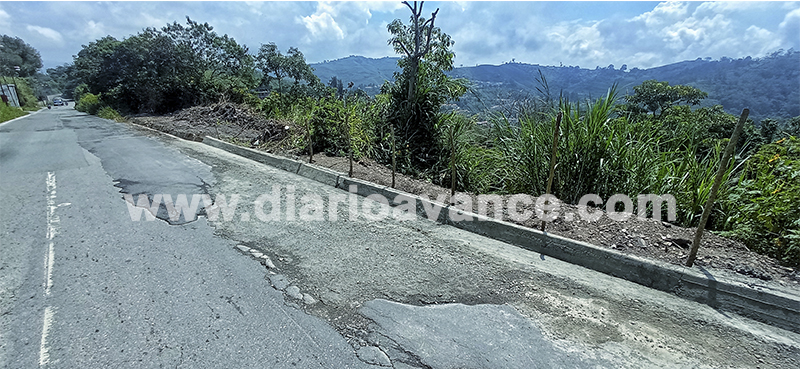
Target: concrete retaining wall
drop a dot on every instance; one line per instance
(778, 308)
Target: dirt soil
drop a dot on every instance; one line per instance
(651, 239)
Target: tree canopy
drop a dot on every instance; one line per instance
(276, 66)
(16, 52)
(657, 96)
(423, 87)
(161, 70)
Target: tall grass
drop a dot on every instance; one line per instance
(598, 153)
(8, 112)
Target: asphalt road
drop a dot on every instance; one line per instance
(84, 285)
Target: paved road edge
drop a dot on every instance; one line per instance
(774, 307)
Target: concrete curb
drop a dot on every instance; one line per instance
(774, 307)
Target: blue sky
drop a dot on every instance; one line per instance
(587, 34)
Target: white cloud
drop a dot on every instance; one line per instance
(95, 30)
(323, 26)
(46, 32)
(5, 19)
(790, 27)
(382, 6)
(663, 14)
(577, 41)
(757, 36)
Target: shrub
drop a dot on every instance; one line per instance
(108, 112)
(89, 103)
(765, 203)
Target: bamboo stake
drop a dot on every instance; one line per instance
(349, 135)
(310, 144)
(394, 157)
(553, 159)
(452, 162)
(723, 167)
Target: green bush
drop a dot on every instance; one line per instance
(765, 203)
(108, 112)
(89, 103)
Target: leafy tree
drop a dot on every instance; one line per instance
(91, 63)
(275, 66)
(793, 127)
(60, 75)
(415, 41)
(16, 52)
(422, 88)
(160, 70)
(657, 96)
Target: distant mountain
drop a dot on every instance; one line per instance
(769, 86)
(363, 72)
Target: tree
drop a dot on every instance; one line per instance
(161, 70)
(657, 96)
(14, 52)
(299, 70)
(409, 41)
(418, 93)
(275, 66)
(91, 63)
(63, 79)
(271, 63)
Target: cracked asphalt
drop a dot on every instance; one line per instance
(333, 294)
(130, 294)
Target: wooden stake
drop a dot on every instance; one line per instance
(310, 144)
(452, 162)
(723, 167)
(349, 135)
(553, 158)
(394, 157)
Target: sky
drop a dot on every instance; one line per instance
(584, 33)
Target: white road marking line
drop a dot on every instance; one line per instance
(52, 218)
(52, 227)
(50, 256)
(49, 259)
(44, 352)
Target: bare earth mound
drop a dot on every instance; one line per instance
(651, 239)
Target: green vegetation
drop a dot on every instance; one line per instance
(89, 103)
(108, 112)
(159, 71)
(26, 95)
(764, 207)
(418, 93)
(8, 113)
(14, 52)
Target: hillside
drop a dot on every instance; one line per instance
(363, 72)
(769, 86)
